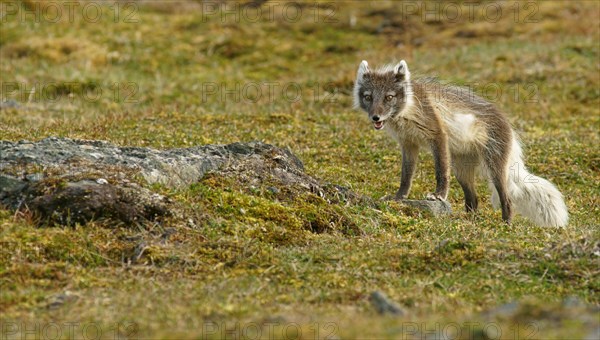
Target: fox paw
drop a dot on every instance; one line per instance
(392, 198)
(400, 197)
(387, 198)
(435, 197)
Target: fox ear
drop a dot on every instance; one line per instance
(363, 69)
(401, 71)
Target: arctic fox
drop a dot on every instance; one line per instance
(462, 130)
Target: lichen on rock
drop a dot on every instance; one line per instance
(65, 181)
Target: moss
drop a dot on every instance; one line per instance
(260, 253)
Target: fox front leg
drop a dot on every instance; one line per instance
(410, 156)
(441, 158)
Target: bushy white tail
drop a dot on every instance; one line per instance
(532, 196)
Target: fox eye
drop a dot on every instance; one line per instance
(389, 97)
(367, 97)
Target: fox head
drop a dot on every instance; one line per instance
(382, 93)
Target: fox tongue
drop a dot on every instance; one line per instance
(378, 125)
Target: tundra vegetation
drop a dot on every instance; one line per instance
(175, 74)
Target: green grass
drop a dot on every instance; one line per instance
(248, 259)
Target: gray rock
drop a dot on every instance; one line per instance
(503, 311)
(175, 167)
(594, 334)
(441, 244)
(87, 180)
(10, 184)
(58, 300)
(436, 208)
(572, 302)
(35, 177)
(138, 251)
(9, 104)
(384, 306)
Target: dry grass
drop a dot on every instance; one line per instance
(250, 260)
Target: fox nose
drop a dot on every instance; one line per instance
(375, 118)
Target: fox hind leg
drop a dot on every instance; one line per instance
(497, 169)
(464, 170)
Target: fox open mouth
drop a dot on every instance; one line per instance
(378, 125)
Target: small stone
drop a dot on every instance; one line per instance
(442, 244)
(593, 335)
(436, 208)
(138, 251)
(383, 305)
(503, 311)
(572, 302)
(167, 233)
(59, 300)
(9, 104)
(34, 177)
(101, 181)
